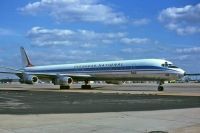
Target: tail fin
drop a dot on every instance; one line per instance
(25, 60)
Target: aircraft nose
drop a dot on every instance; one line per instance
(181, 73)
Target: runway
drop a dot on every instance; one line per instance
(178, 89)
(131, 108)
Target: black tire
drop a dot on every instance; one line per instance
(63, 87)
(86, 87)
(160, 88)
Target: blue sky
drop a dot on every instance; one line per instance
(70, 31)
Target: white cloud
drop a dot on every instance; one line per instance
(88, 45)
(58, 56)
(135, 40)
(79, 52)
(192, 50)
(76, 10)
(61, 56)
(85, 38)
(183, 30)
(42, 36)
(184, 20)
(182, 57)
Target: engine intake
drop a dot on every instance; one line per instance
(29, 79)
(63, 80)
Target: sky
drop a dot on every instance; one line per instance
(75, 31)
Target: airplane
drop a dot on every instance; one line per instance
(110, 71)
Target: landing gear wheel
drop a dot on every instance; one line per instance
(86, 87)
(160, 88)
(63, 87)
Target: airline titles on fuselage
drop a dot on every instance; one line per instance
(99, 65)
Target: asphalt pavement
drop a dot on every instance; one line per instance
(131, 108)
(46, 102)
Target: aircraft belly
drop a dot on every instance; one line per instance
(142, 75)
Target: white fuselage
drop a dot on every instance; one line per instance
(144, 69)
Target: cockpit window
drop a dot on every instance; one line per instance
(172, 66)
(165, 64)
(168, 65)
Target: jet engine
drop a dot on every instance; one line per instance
(63, 80)
(29, 79)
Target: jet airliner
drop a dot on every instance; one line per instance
(110, 71)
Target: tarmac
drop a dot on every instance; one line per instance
(130, 108)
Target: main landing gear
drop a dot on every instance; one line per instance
(160, 86)
(86, 86)
(64, 87)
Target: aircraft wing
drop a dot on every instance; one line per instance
(192, 74)
(20, 73)
(14, 73)
(54, 75)
(9, 68)
(50, 75)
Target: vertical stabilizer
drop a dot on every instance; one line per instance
(25, 60)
